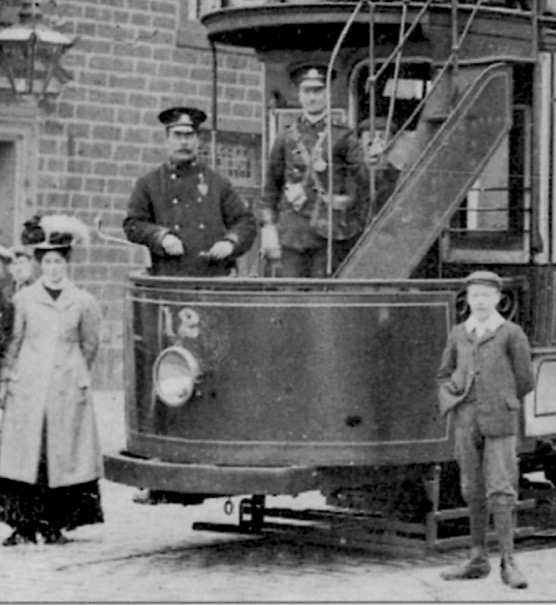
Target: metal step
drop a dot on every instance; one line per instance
(351, 529)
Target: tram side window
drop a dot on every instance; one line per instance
(495, 216)
(409, 89)
(494, 224)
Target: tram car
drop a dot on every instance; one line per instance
(259, 385)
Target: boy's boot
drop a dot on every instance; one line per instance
(477, 566)
(502, 513)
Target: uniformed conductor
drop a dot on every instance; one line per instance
(294, 208)
(189, 216)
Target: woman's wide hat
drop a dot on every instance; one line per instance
(53, 232)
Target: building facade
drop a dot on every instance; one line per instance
(80, 151)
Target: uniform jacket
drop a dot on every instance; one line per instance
(497, 366)
(304, 228)
(196, 204)
(48, 366)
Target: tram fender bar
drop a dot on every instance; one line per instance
(207, 479)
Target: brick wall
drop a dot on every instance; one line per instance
(133, 58)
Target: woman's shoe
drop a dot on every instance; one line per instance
(55, 537)
(19, 538)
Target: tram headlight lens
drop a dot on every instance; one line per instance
(174, 374)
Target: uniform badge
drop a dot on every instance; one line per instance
(319, 165)
(202, 187)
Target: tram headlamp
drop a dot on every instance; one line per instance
(175, 372)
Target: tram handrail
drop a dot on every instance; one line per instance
(391, 105)
(329, 73)
(406, 36)
(434, 84)
(111, 238)
(373, 77)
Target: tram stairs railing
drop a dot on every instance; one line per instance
(464, 119)
(461, 144)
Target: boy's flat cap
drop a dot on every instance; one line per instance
(486, 278)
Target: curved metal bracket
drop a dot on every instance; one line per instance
(110, 238)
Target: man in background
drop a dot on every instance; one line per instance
(294, 210)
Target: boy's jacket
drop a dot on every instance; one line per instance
(498, 366)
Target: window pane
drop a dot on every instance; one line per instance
(488, 202)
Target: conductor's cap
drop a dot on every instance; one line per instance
(310, 75)
(188, 117)
(485, 278)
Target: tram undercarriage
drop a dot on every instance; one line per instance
(415, 507)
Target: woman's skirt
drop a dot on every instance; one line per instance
(40, 508)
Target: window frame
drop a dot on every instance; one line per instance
(500, 246)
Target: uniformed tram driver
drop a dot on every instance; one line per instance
(189, 216)
(294, 209)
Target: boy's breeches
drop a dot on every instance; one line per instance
(488, 465)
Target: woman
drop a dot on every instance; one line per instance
(50, 457)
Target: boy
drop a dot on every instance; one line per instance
(485, 372)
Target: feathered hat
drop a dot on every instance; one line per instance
(54, 231)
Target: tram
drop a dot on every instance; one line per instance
(258, 386)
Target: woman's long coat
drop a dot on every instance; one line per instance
(48, 370)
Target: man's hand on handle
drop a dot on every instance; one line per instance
(172, 245)
(220, 250)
